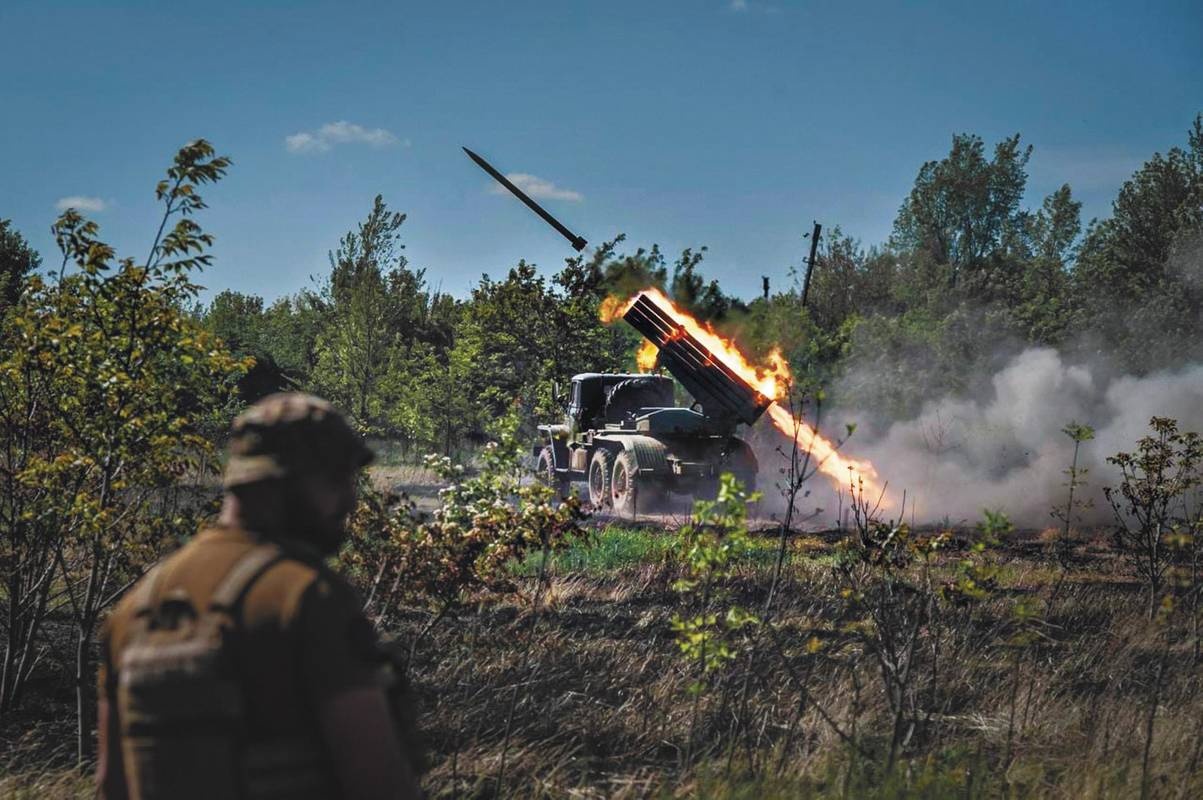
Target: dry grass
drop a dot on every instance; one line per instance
(602, 707)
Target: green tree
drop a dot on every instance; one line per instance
(127, 380)
(962, 206)
(626, 274)
(580, 342)
(1148, 503)
(436, 412)
(376, 307)
(17, 262)
(1041, 304)
(968, 279)
(524, 334)
(847, 281)
(702, 298)
(505, 334)
(239, 320)
(291, 326)
(25, 558)
(1138, 281)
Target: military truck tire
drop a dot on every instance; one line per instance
(599, 478)
(545, 471)
(626, 489)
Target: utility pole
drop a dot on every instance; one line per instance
(810, 262)
(765, 279)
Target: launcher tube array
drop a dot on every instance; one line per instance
(722, 392)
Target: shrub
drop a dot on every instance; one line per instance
(1155, 480)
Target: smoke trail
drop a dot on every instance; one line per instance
(1006, 449)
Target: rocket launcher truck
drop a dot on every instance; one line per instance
(624, 435)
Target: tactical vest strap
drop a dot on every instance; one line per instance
(238, 580)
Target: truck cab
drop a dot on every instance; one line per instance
(598, 399)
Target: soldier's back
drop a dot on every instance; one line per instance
(297, 635)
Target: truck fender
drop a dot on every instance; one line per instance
(650, 454)
(557, 437)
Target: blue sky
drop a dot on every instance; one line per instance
(729, 124)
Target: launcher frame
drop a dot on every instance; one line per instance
(725, 397)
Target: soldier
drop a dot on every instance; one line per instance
(241, 666)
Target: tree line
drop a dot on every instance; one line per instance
(969, 276)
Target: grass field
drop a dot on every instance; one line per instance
(1098, 701)
(602, 706)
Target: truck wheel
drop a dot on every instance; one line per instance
(631, 492)
(599, 478)
(545, 472)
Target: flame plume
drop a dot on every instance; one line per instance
(645, 357)
(772, 379)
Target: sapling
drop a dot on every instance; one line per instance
(1076, 479)
(888, 605)
(708, 548)
(1164, 468)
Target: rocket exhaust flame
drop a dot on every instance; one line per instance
(771, 380)
(645, 358)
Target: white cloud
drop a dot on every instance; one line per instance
(81, 203)
(538, 187)
(748, 7)
(342, 132)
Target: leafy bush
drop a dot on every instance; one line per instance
(1149, 503)
(485, 524)
(109, 394)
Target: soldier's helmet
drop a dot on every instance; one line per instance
(291, 434)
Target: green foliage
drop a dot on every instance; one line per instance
(374, 302)
(17, 262)
(847, 282)
(108, 393)
(239, 321)
(1137, 280)
(486, 524)
(617, 547)
(962, 207)
(708, 548)
(1150, 501)
(519, 336)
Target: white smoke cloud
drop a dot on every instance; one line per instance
(1004, 451)
(1007, 451)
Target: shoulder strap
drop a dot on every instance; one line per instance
(238, 580)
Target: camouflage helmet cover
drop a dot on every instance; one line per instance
(289, 434)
